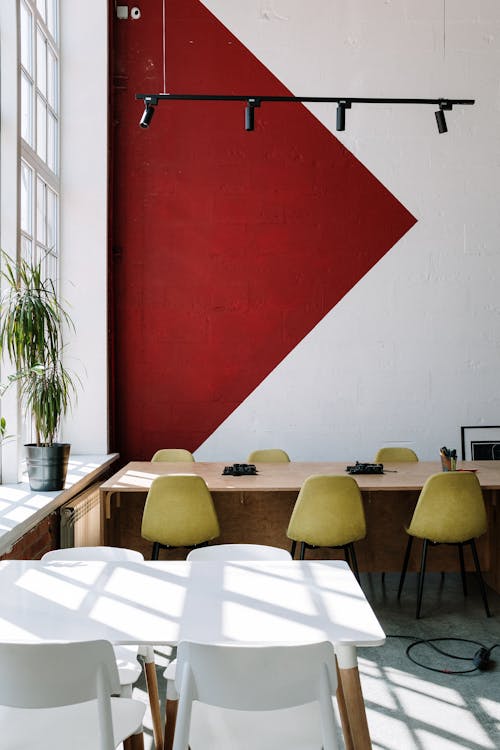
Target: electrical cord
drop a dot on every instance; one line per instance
(481, 658)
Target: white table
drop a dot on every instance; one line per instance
(217, 602)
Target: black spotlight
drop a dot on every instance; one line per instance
(341, 108)
(147, 116)
(249, 117)
(441, 121)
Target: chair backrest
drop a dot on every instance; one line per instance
(255, 678)
(49, 675)
(231, 552)
(395, 454)
(328, 512)
(105, 554)
(450, 508)
(179, 511)
(173, 454)
(269, 456)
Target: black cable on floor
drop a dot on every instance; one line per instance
(481, 658)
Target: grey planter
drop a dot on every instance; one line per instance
(47, 466)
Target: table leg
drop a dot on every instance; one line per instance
(344, 719)
(170, 719)
(154, 698)
(134, 742)
(354, 702)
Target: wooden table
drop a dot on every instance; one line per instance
(212, 602)
(256, 509)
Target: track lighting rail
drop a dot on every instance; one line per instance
(252, 101)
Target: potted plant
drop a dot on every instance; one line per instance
(31, 326)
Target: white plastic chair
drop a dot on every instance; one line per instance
(228, 552)
(224, 552)
(249, 697)
(129, 669)
(55, 696)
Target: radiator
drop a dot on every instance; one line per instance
(81, 520)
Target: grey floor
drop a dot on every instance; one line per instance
(408, 706)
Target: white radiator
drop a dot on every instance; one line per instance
(81, 520)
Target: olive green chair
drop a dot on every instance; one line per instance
(269, 456)
(395, 454)
(179, 512)
(173, 454)
(450, 510)
(328, 513)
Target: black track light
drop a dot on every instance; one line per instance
(441, 121)
(150, 102)
(147, 116)
(342, 106)
(440, 118)
(250, 113)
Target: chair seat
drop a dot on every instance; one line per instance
(66, 728)
(215, 728)
(129, 668)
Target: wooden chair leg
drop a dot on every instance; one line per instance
(462, 567)
(170, 719)
(480, 577)
(421, 578)
(405, 565)
(292, 549)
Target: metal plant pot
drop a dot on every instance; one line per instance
(47, 466)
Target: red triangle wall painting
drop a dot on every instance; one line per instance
(230, 246)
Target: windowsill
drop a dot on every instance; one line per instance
(22, 508)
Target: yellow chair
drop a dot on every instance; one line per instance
(328, 513)
(173, 454)
(450, 510)
(395, 454)
(269, 456)
(179, 512)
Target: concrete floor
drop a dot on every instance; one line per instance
(410, 707)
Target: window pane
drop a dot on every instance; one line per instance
(51, 218)
(41, 211)
(52, 17)
(40, 4)
(26, 248)
(51, 142)
(41, 62)
(26, 39)
(41, 128)
(26, 197)
(26, 110)
(51, 79)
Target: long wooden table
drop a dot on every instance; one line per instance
(256, 509)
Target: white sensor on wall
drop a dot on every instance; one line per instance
(135, 13)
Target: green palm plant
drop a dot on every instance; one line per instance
(31, 324)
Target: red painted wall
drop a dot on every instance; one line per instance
(228, 246)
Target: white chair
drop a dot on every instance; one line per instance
(228, 552)
(249, 697)
(224, 552)
(129, 669)
(55, 696)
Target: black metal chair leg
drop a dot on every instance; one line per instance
(421, 578)
(156, 551)
(480, 577)
(292, 549)
(462, 567)
(302, 550)
(354, 561)
(405, 566)
(347, 554)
